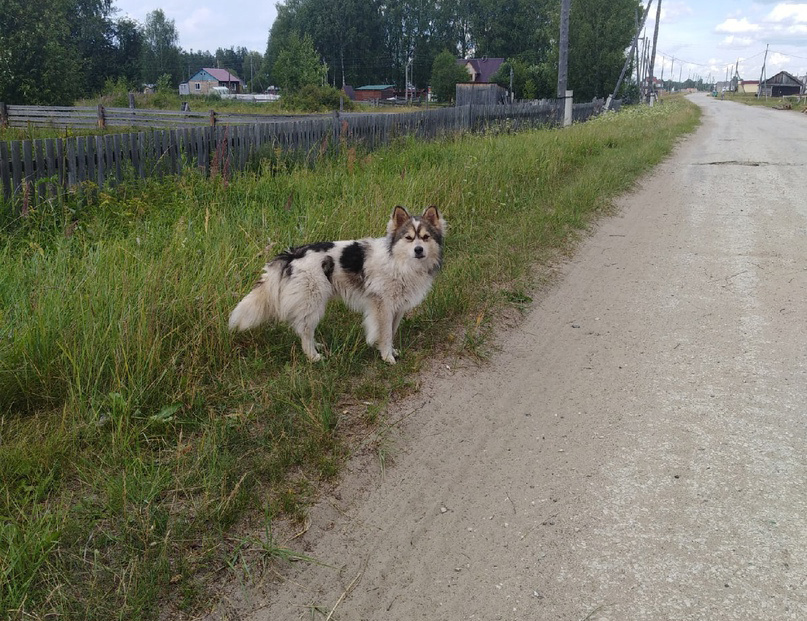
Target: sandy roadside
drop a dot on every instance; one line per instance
(635, 449)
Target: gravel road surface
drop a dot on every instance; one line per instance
(636, 448)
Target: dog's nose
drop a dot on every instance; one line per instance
(418, 251)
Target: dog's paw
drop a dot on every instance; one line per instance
(395, 352)
(389, 358)
(315, 357)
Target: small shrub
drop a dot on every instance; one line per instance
(312, 98)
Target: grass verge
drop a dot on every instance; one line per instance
(135, 431)
(789, 103)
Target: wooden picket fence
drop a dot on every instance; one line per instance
(44, 169)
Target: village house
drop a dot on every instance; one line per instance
(781, 85)
(373, 92)
(204, 81)
(750, 87)
(480, 69)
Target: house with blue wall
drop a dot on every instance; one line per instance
(203, 81)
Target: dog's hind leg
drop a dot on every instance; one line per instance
(306, 308)
(305, 324)
(306, 334)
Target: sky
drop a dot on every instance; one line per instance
(696, 37)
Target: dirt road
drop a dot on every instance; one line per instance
(638, 447)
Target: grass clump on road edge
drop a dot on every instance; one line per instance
(135, 431)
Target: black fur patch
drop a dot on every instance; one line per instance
(328, 267)
(300, 251)
(352, 259)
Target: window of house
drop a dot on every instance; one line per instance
(197, 86)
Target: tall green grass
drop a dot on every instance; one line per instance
(135, 431)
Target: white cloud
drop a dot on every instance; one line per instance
(778, 60)
(788, 14)
(675, 11)
(737, 26)
(736, 42)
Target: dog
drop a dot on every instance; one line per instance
(380, 277)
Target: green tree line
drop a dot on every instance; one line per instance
(371, 41)
(55, 51)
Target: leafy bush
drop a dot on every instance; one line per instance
(312, 98)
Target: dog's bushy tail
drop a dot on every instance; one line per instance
(262, 304)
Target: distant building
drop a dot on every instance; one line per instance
(205, 80)
(480, 69)
(781, 85)
(750, 87)
(374, 91)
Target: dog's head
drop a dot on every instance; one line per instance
(417, 237)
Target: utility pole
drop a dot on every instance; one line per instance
(630, 55)
(563, 56)
(653, 53)
(762, 73)
(672, 74)
(512, 97)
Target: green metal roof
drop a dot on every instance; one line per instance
(375, 87)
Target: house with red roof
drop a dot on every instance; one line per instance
(204, 80)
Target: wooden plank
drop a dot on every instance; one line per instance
(204, 159)
(173, 147)
(118, 156)
(182, 148)
(16, 166)
(71, 168)
(81, 162)
(235, 148)
(41, 172)
(97, 156)
(159, 144)
(109, 158)
(61, 162)
(126, 159)
(51, 168)
(30, 173)
(134, 154)
(5, 170)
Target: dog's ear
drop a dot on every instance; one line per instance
(399, 217)
(432, 216)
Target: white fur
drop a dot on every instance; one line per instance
(395, 278)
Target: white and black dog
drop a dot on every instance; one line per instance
(382, 278)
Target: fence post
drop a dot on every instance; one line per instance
(337, 130)
(567, 111)
(212, 118)
(132, 101)
(3, 116)
(101, 119)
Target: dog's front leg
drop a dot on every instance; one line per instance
(382, 321)
(396, 322)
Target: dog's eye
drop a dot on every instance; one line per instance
(409, 238)
(425, 238)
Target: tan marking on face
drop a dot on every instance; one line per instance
(410, 234)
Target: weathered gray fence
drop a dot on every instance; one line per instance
(88, 117)
(35, 170)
